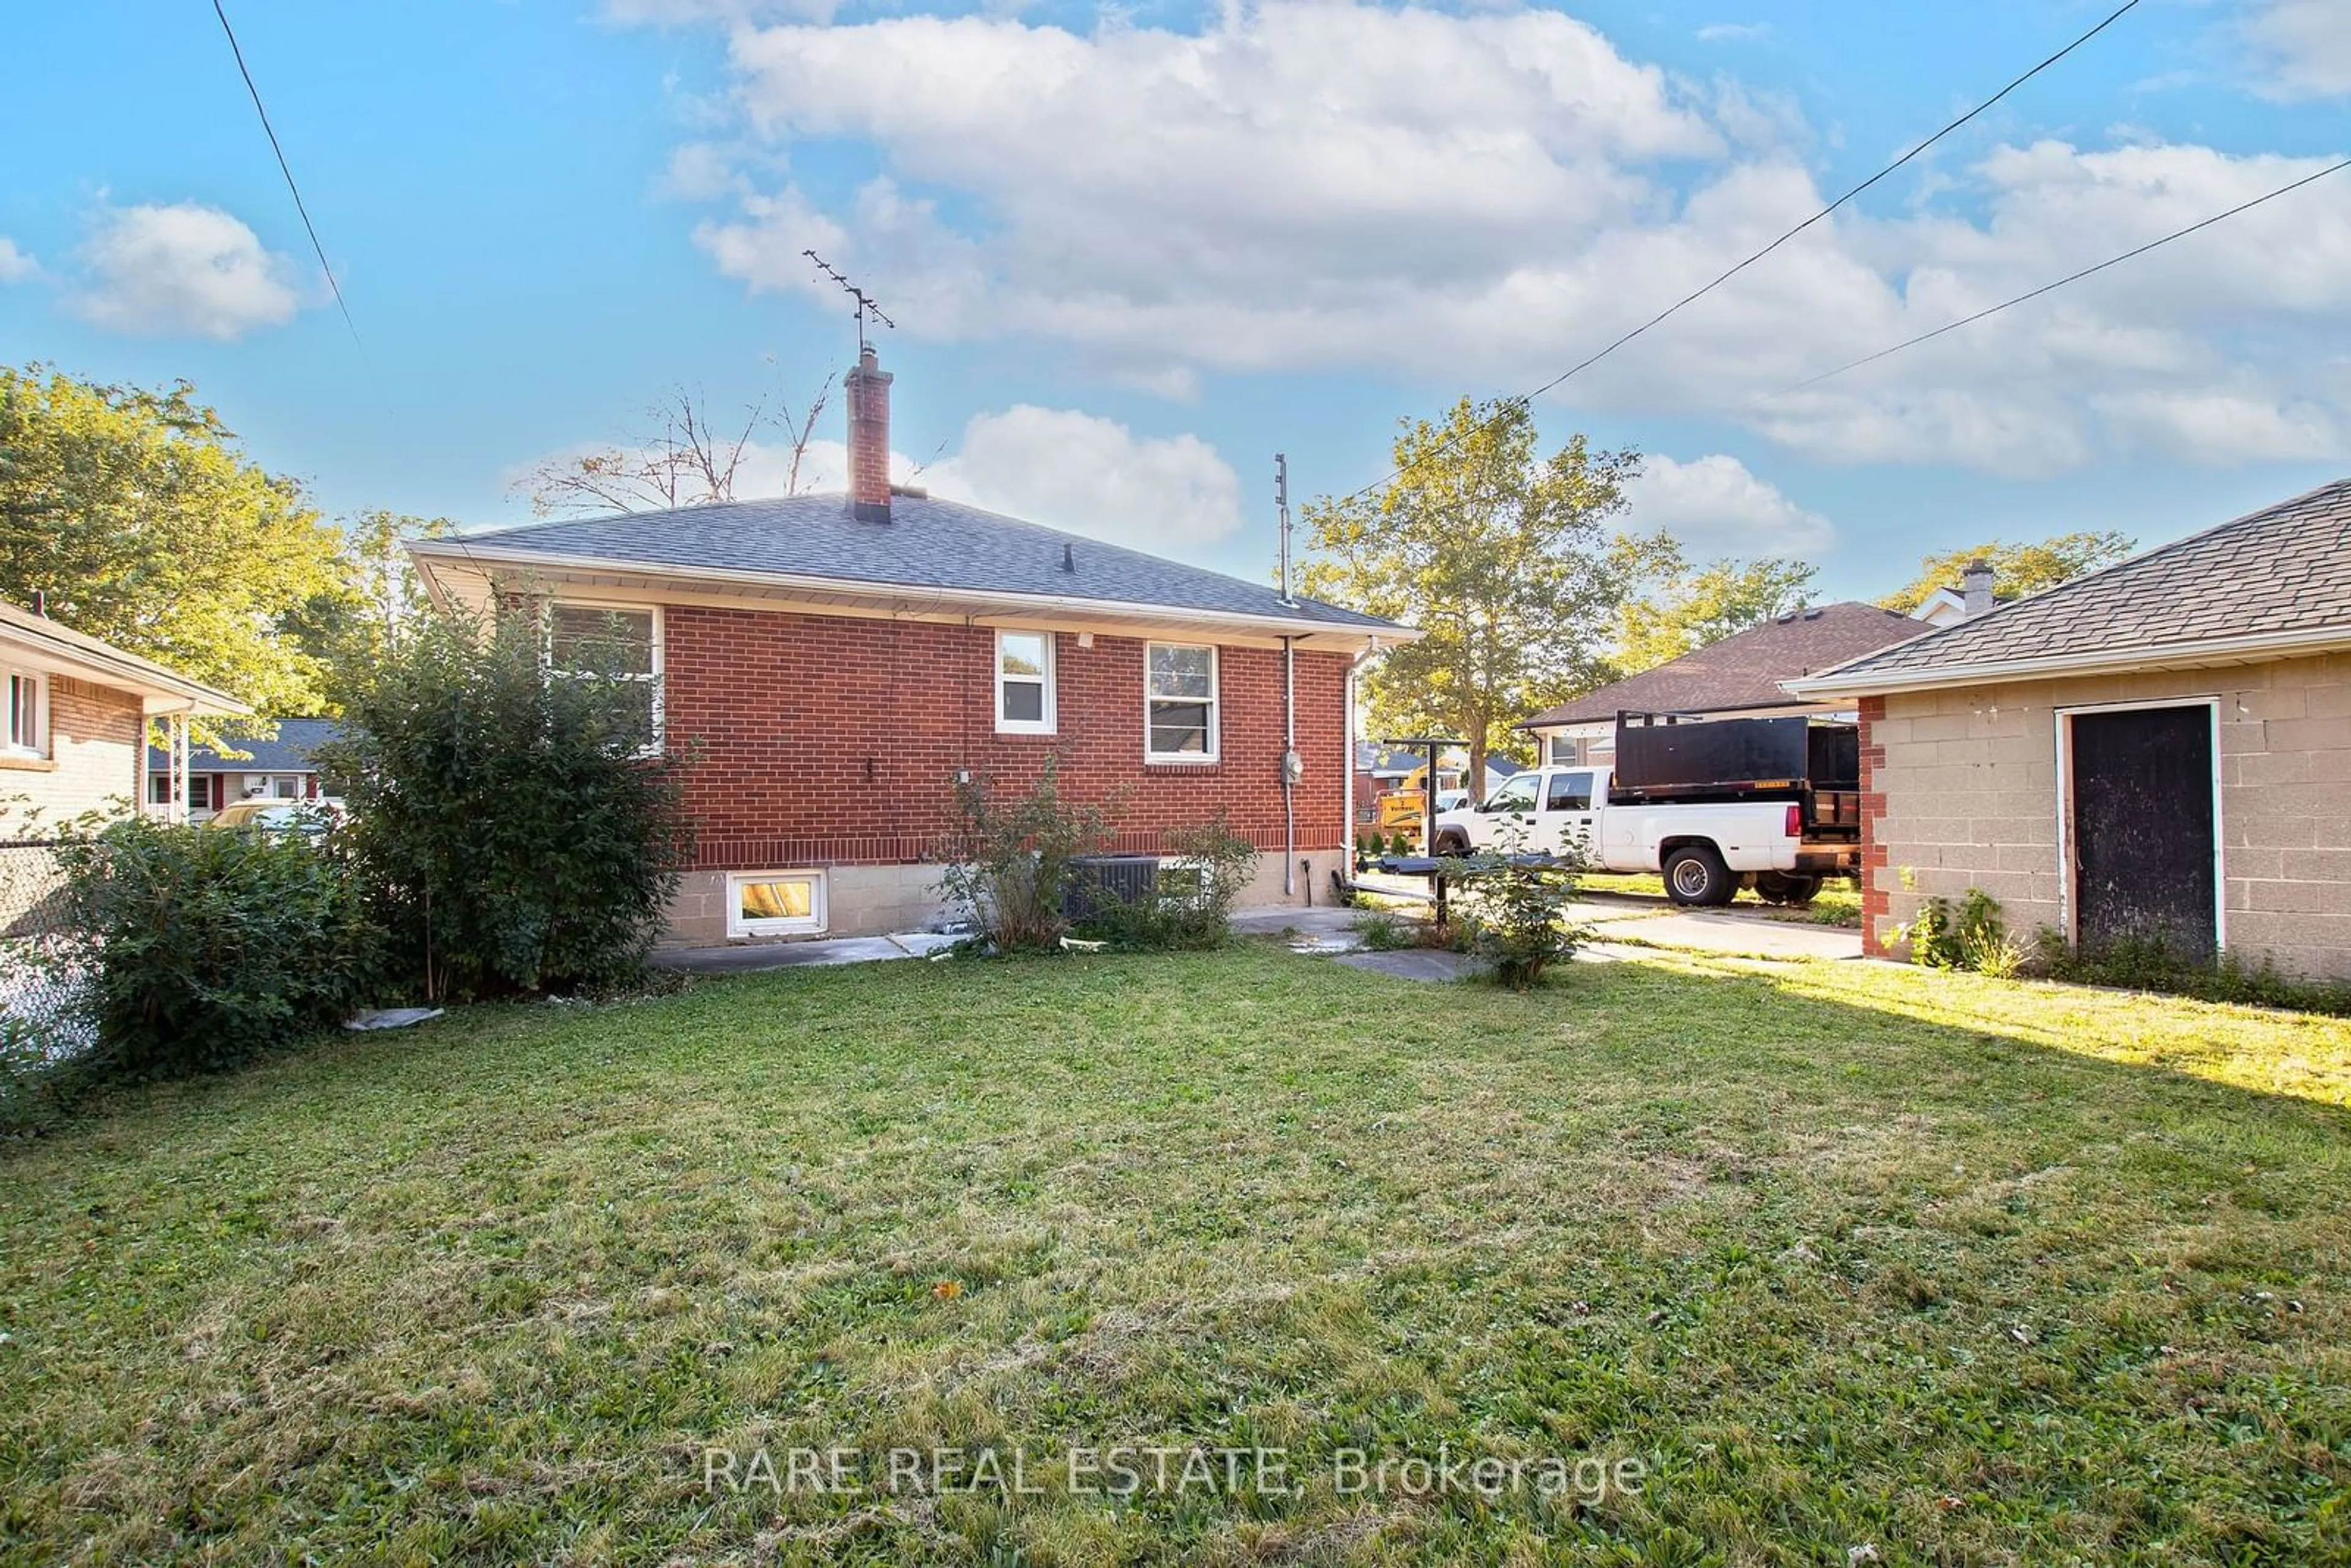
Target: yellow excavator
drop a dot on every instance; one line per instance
(1405, 807)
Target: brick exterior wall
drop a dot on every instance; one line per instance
(832, 741)
(1876, 898)
(98, 750)
(1959, 789)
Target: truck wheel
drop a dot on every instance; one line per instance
(1452, 843)
(1695, 874)
(1771, 887)
(1800, 890)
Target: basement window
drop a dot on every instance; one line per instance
(1024, 683)
(1179, 702)
(775, 902)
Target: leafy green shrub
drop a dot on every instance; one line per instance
(1518, 909)
(1008, 862)
(2149, 964)
(1967, 936)
(206, 947)
(1385, 931)
(1201, 874)
(515, 830)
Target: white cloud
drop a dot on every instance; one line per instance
(2220, 426)
(15, 265)
(182, 269)
(1066, 469)
(1172, 494)
(1714, 506)
(1481, 198)
(1733, 32)
(2304, 46)
(1147, 190)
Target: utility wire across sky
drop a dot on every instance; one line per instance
(2069, 278)
(270, 130)
(1696, 294)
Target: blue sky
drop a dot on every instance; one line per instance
(1134, 251)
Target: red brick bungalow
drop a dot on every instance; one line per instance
(838, 662)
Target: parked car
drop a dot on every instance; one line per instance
(1711, 807)
(279, 816)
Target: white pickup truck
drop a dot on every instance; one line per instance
(1705, 850)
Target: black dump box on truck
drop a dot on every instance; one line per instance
(1664, 757)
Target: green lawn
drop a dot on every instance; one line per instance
(1843, 1256)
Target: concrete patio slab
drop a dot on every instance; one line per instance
(1416, 964)
(1320, 920)
(1743, 935)
(780, 955)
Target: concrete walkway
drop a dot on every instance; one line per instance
(754, 956)
(1624, 927)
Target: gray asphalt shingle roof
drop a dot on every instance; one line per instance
(288, 753)
(2282, 569)
(1743, 670)
(928, 543)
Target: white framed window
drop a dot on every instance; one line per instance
(285, 787)
(621, 644)
(28, 713)
(775, 902)
(1179, 702)
(1024, 683)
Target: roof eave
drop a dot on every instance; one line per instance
(160, 692)
(2209, 652)
(431, 552)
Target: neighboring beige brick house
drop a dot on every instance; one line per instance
(2161, 749)
(73, 737)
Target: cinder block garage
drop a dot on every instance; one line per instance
(2159, 749)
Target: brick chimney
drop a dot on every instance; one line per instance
(869, 440)
(1975, 583)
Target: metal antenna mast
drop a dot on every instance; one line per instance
(1282, 500)
(865, 303)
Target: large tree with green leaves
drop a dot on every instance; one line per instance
(138, 519)
(378, 600)
(1675, 607)
(1498, 554)
(2017, 568)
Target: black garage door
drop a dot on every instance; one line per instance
(2142, 828)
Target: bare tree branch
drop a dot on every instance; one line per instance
(685, 461)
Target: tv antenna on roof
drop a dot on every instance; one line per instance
(865, 305)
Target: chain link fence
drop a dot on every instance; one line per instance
(44, 1000)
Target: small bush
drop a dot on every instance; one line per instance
(204, 947)
(1518, 910)
(1386, 931)
(2149, 964)
(1201, 874)
(1969, 936)
(1008, 862)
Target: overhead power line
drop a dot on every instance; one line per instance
(1696, 294)
(283, 168)
(2070, 277)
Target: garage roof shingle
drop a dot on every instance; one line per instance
(1744, 669)
(2283, 570)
